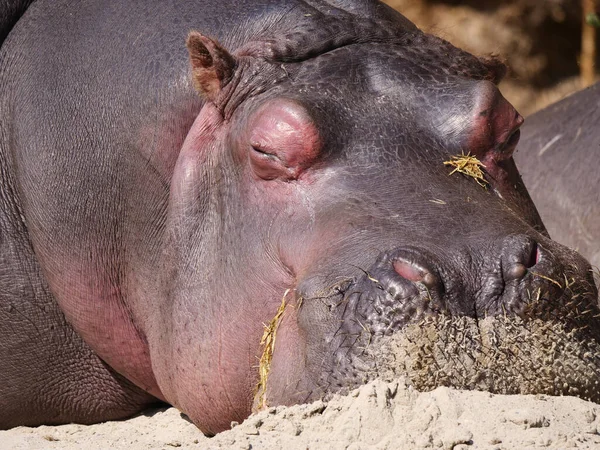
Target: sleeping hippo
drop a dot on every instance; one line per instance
(227, 205)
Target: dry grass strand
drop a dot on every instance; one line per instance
(267, 342)
(468, 165)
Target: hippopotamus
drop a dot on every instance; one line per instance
(558, 157)
(229, 205)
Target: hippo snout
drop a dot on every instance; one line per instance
(507, 277)
(450, 318)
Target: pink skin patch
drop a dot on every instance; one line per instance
(414, 273)
(408, 271)
(96, 309)
(538, 257)
(206, 349)
(283, 141)
(495, 132)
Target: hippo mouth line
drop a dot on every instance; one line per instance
(551, 345)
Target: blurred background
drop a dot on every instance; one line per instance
(539, 40)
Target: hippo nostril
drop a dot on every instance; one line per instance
(534, 256)
(408, 270)
(430, 280)
(415, 273)
(520, 253)
(516, 272)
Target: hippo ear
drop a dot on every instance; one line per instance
(212, 65)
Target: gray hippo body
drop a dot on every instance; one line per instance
(559, 159)
(160, 205)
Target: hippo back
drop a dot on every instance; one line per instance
(559, 156)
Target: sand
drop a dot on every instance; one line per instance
(378, 415)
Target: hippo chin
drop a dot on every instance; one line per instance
(160, 205)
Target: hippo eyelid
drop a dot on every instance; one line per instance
(264, 153)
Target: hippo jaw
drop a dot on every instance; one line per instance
(544, 340)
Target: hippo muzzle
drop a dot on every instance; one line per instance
(518, 317)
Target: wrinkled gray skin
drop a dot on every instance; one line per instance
(558, 157)
(148, 230)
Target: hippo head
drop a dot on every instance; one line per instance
(311, 206)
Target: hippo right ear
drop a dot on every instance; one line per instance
(212, 65)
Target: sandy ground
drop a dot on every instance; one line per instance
(379, 415)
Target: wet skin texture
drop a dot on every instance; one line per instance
(150, 229)
(558, 157)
